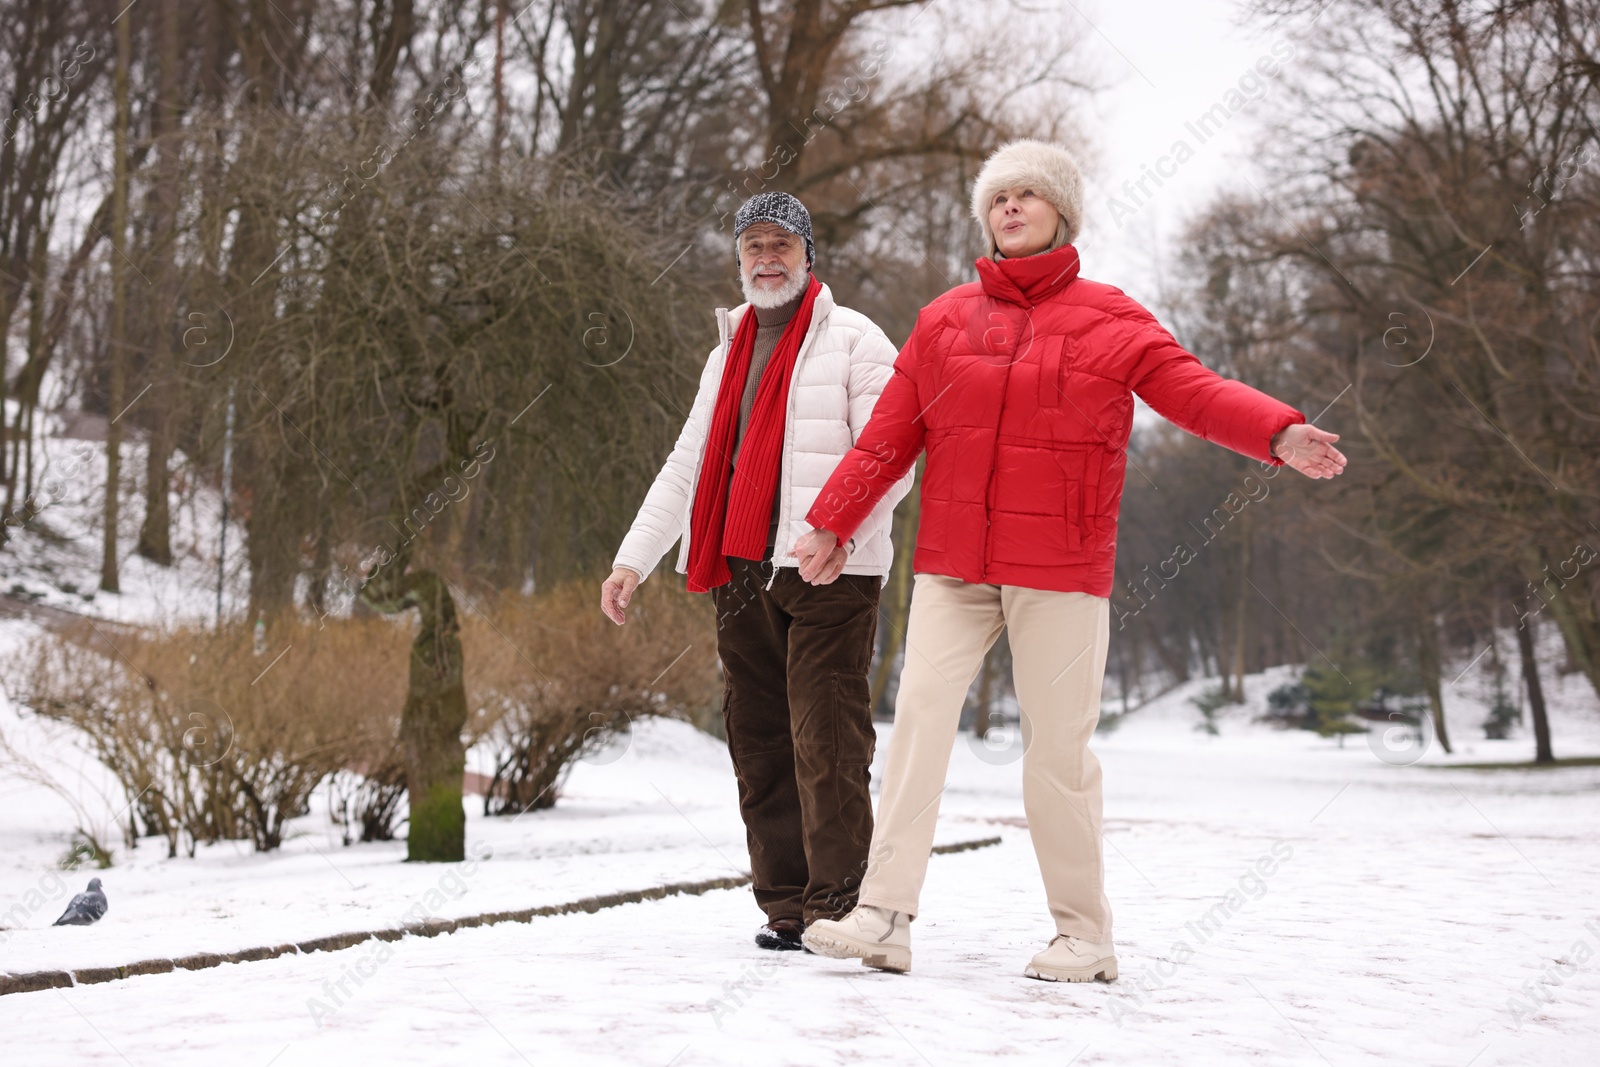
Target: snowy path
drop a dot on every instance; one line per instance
(1403, 911)
(640, 821)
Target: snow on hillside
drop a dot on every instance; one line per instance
(1468, 690)
(1172, 717)
(55, 559)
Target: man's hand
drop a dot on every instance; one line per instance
(821, 557)
(617, 591)
(1308, 450)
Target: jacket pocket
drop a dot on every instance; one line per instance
(1084, 466)
(936, 489)
(1091, 466)
(1052, 371)
(1080, 468)
(932, 519)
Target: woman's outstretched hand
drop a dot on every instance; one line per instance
(1308, 450)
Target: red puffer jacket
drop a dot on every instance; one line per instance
(1020, 386)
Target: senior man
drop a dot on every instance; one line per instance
(783, 397)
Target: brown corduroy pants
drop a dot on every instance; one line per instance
(797, 705)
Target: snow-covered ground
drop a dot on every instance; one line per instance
(1278, 900)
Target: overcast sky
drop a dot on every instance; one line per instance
(1168, 62)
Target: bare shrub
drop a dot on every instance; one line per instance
(210, 741)
(550, 679)
(367, 803)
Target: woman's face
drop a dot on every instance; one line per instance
(1023, 222)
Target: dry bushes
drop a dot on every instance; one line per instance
(211, 741)
(214, 742)
(550, 679)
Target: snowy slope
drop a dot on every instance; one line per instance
(55, 559)
(1574, 714)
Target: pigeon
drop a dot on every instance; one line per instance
(87, 907)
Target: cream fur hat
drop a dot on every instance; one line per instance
(1048, 169)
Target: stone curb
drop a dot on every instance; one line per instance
(38, 981)
(965, 846)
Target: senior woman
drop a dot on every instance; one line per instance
(1020, 386)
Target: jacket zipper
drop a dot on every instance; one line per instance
(786, 498)
(700, 459)
(994, 458)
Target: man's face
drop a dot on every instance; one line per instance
(770, 257)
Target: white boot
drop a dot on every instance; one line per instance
(1072, 959)
(876, 936)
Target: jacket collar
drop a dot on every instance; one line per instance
(728, 321)
(1029, 280)
(819, 309)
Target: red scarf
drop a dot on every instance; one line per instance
(724, 522)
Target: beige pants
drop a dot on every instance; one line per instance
(1058, 648)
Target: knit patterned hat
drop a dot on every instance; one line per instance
(1048, 169)
(780, 209)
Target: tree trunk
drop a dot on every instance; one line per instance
(1210, 656)
(980, 718)
(8, 471)
(896, 600)
(155, 535)
(36, 313)
(1536, 708)
(1428, 665)
(271, 536)
(435, 710)
(1237, 696)
(25, 387)
(499, 83)
(119, 307)
(1176, 661)
(1572, 606)
(1581, 634)
(794, 80)
(321, 569)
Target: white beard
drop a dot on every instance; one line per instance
(794, 284)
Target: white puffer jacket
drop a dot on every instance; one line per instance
(843, 364)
